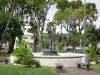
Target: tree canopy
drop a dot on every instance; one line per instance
(70, 15)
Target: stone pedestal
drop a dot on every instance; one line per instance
(50, 52)
(85, 59)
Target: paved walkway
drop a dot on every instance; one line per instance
(76, 71)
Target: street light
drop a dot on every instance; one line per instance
(84, 25)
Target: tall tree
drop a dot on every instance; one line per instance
(13, 30)
(72, 15)
(39, 10)
(51, 29)
(11, 25)
(91, 34)
(35, 35)
(36, 10)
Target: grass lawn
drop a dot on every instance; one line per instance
(95, 67)
(4, 54)
(19, 70)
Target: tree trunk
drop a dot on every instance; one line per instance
(54, 47)
(61, 28)
(11, 45)
(40, 42)
(51, 41)
(74, 46)
(34, 35)
(35, 41)
(0, 46)
(39, 38)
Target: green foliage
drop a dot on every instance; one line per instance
(25, 56)
(55, 43)
(21, 44)
(28, 61)
(44, 40)
(59, 16)
(61, 46)
(14, 28)
(95, 67)
(91, 11)
(92, 35)
(20, 70)
(71, 16)
(91, 31)
(35, 3)
(76, 4)
(51, 28)
(79, 13)
(92, 53)
(98, 34)
(3, 3)
(62, 4)
(22, 52)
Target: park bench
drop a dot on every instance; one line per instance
(4, 60)
(86, 65)
(59, 67)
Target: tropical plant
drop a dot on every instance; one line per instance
(25, 57)
(61, 46)
(92, 53)
(51, 29)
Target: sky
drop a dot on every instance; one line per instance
(53, 10)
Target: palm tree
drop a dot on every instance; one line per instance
(51, 29)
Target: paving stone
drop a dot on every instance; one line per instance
(76, 71)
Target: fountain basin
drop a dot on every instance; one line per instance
(66, 59)
(50, 52)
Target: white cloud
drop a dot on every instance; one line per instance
(98, 22)
(50, 15)
(51, 12)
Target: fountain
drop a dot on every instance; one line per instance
(50, 52)
(67, 59)
(51, 57)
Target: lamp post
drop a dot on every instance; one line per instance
(84, 25)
